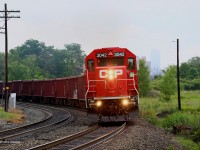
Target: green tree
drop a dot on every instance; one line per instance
(193, 73)
(168, 83)
(144, 78)
(40, 61)
(33, 53)
(184, 70)
(58, 64)
(195, 62)
(190, 69)
(18, 71)
(74, 59)
(30, 47)
(25, 69)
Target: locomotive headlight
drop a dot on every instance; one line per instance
(98, 103)
(125, 102)
(110, 74)
(111, 77)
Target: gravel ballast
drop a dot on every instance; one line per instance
(140, 135)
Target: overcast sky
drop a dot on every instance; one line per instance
(142, 26)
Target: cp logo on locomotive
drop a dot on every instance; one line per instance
(105, 73)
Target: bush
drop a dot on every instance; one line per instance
(196, 137)
(168, 83)
(154, 93)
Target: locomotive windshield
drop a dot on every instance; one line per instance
(117, 61)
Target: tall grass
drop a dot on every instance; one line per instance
(189, 116)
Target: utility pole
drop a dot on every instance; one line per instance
(178, 77)
(6, 17)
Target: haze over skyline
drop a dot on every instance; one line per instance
(141, 26)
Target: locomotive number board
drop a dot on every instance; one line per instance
(99, 55)
(119, 54)
(116, 54)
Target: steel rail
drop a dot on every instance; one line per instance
(3, 138)
(64, 139)
(100, 139)
(33, 130)
(49, 116)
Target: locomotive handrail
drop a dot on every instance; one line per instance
(87, 89)
(108, 86)
(88, 85)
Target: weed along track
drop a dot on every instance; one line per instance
(84, 139)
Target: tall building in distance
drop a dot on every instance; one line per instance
(155, 63)
(148, 63)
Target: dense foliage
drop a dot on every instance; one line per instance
(190, 74)
(35, 60)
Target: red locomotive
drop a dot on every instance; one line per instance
(111, 83)
(107, 90)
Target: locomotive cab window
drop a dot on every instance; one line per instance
(131, 63)
(102, 62)
(91, 65)
(117, 61)
(111, 61)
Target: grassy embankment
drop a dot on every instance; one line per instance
(189, 117)
(15, 116)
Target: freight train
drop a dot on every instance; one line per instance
(108, 88)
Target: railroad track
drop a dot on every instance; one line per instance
(50, 121)
(82, 140)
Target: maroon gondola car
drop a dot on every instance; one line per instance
(49, 91)
(37, 90)
(73, 91)
(81, 91)
(17, 88)
(61, 90)
(27, 92)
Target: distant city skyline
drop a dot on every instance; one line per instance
(155, 62)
